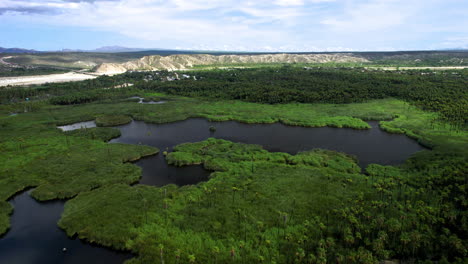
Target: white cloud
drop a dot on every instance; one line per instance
(289, 2)
(455, 42)
(284, 25)
(367, 16)
(158, 21)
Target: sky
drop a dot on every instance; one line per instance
(236, 25)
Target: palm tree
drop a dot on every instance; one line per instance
(161, 252)
(215, 252)
(191, 258)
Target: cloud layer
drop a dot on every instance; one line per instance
(261, 25)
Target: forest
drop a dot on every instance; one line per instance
(444, 92)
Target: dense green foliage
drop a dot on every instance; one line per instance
(442, 92)
(314, 207)
(101, 133)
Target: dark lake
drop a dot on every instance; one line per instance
(36, 238)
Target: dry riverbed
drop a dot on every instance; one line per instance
(50, 78)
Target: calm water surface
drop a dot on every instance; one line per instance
(35, 237)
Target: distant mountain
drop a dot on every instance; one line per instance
(105, 49)
(112, 49)
(457, 49)
(17, 50)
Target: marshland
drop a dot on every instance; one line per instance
(304, 165)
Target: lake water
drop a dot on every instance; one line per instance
(35, 237)
(369, 146)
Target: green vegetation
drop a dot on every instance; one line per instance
(439, 92)
(112, 120)
(313, 207)
(151, 98)
(59, 165)
(442, 92)
(100, 133)
(5, 210)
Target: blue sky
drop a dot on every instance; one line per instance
(244, 25)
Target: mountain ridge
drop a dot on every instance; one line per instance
(186, 61)
(17, 50)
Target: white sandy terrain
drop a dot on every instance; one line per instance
(50, 78)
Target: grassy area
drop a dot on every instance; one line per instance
(401, 116)
(101, 133)
(5, 210)
(36, 154)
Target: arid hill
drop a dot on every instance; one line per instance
(183, 61)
